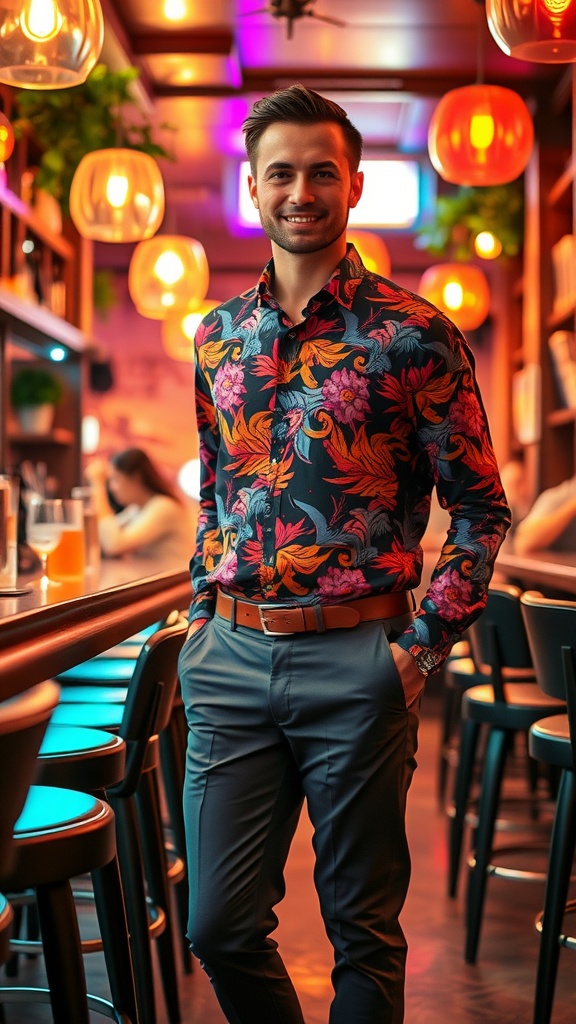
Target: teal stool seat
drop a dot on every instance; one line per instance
(100, 670)
(97, 716)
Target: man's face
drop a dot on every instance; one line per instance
(303, 187)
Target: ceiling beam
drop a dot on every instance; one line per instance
(217, 41)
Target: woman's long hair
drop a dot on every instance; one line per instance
(133, 461)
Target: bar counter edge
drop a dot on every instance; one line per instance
(39, 640)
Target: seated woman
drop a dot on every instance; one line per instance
(551, 522)
(155, 522)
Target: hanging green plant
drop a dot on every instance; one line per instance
(460, 216)
(69, 123)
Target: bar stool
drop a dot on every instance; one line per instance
(23, 721)
(59, 835)
(505, 709)
(473, 675)
(105, 678)
(551, 629)
(139, 721)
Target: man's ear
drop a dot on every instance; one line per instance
(356, 186)
(252, 190)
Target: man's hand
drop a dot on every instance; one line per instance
(195, 626)
(412, 678)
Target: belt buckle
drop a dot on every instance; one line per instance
(262, 611)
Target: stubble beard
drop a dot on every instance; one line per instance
(289, 243)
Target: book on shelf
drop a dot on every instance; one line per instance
(564, 266)
(562, 346)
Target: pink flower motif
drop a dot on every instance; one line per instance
(450, 594)
(229, 385)
(342, 583)
(466, 416)
(346, 395)
(225, 571)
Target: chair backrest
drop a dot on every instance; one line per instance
(498, 636)
(551, 629)
(151, 691)
(23, 722)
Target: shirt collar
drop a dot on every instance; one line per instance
(342, 284)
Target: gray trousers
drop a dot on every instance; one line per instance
(273, 721)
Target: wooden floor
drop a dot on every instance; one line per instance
(441, 988)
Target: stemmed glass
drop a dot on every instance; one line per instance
(44, 525)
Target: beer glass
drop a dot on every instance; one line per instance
(9, 493)
(67, 560)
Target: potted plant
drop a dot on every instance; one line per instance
(462, 213)
(34, 394)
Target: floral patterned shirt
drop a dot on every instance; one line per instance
(320, 444)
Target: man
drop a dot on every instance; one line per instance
(329, 402)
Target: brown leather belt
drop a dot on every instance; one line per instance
(278, 620)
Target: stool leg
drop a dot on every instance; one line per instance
(62, 953)
(469, 733)
(562, 844)
(448, 715)
(156, 871)
(173, 760)
(492, 774)
(109, 899)
(131, 871)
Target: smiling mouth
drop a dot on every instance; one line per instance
(296, 218)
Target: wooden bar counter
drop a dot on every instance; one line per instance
(43, 634)
(542, 570)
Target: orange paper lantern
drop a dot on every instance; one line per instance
(480, 135)
(168, 274)
(543, 31)
(372, 251)
(458, 289)
(6, 138)
(49, 44)
(117, 195)
(178, 332)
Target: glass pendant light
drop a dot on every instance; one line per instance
(543, 31)
(168, 274)
(480, 135)
(6, 138)
(178, 331)
(458, 289)
(117, 195)
(49, 44)
(372, 250)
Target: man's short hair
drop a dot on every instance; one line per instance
(298, 105)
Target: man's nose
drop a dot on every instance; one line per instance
(301, 192)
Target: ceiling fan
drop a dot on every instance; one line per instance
(294, 9)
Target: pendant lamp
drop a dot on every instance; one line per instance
(6, 138)
(49, 44)
(117, 195)
(178, 332)
(372, 250)
(480, 135)
(543, 31)
(458, 289)
(167, 274)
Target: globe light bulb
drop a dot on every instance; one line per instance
(169, 268)
(41, 20)
(117, 190)
(453, 294)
